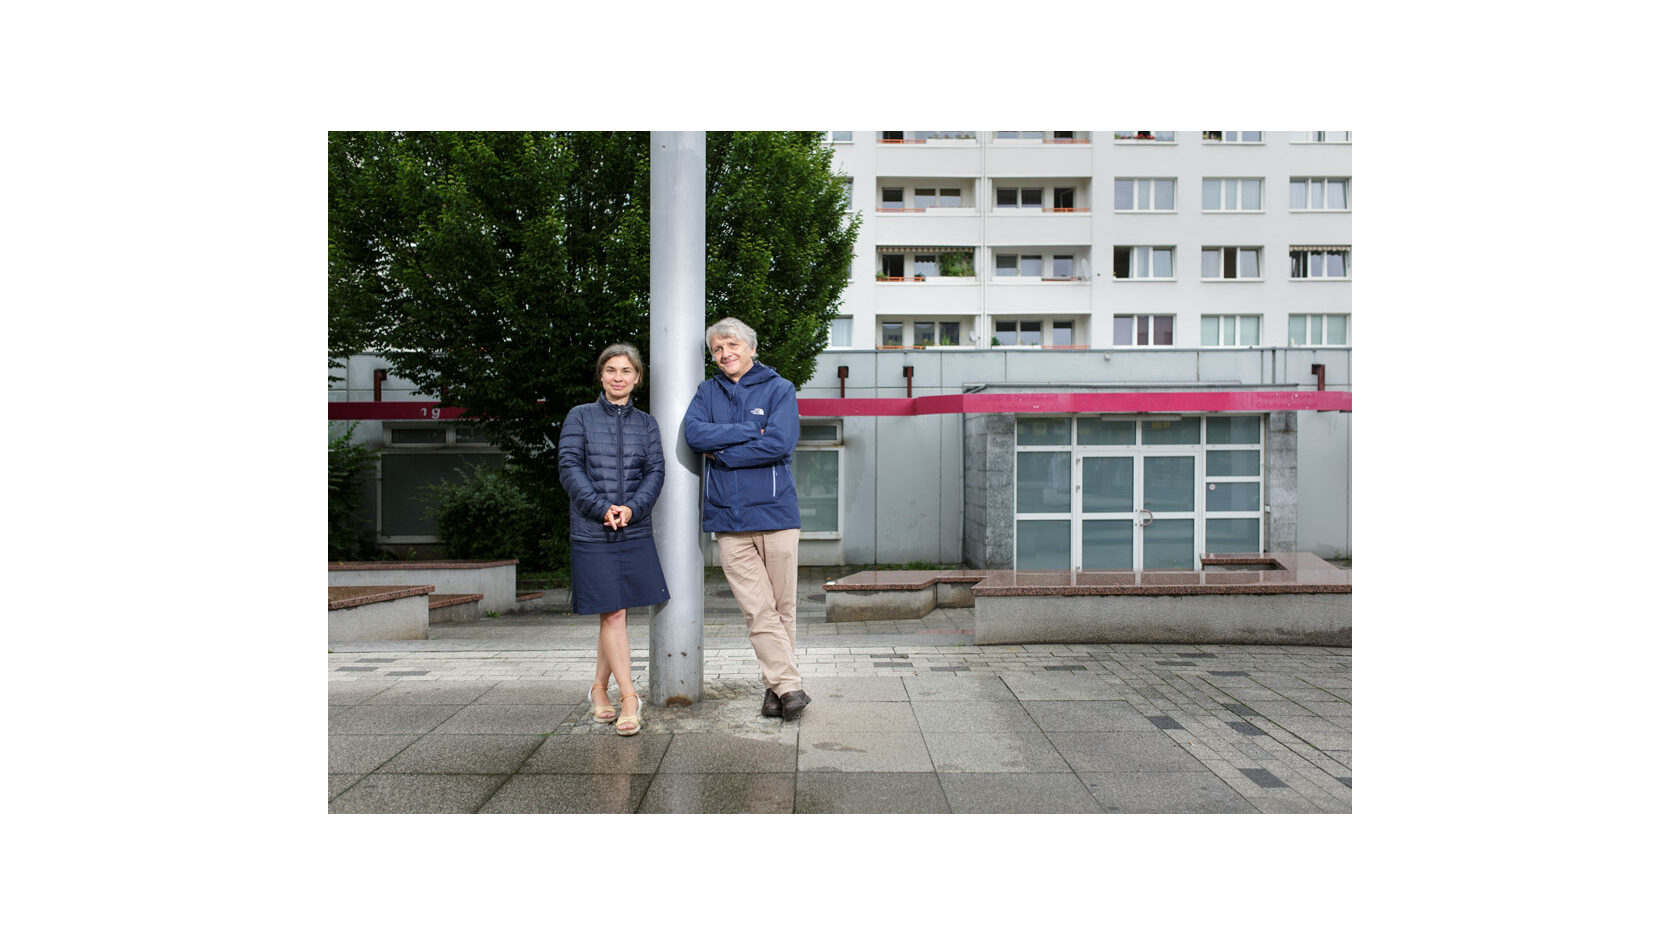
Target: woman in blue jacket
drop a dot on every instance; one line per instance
(613, 466)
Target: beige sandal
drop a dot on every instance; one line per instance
(631, 719)
(603, 713)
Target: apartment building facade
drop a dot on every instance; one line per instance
(1059, 349)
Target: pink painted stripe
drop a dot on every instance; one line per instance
(1181, 401)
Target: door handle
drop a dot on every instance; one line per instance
(1145, 522)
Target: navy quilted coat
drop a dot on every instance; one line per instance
(749, 427)
(610, 455)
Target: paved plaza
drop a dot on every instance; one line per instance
(491, 716)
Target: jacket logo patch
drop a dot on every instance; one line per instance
(757, 411)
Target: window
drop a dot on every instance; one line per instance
(927, 264)
(1220, 330)
(925, 334)
(840, 333)
(894, 137)
(1317, 330)
(1230, 262)
(1016, 264)
(927, 197)
(1143, 330)
(816, 478)
(416, 457)
(1020, 198)
(1231, 194)
(1141, 194)
(1063, 198)
(1320, 137)
(1061, 267)
(1018, 135)
(839, 137)
(892, 198)
(848, 183)
(1146, 137)
(1143, 262)
(1318, 262)
(1318, 193)
(1061, 334)
(1232, 137)
(892, 266)
(943, 136)
(1019, 332)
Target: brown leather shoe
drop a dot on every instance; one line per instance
(772, 704)
(794, 703)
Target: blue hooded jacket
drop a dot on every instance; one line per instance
(610, 455)
(749, 427)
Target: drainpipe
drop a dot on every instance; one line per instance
(844, 371)
(379, 375)
(909, 379)
(1318, 371)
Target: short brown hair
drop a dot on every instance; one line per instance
(621, 351)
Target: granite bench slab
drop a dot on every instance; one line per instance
(357, 613)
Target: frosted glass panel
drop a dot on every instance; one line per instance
(1210, 326)
(1335, 330)
(1106, 546)
(1169, 483)
(816, 480)
(1043, 546)
(1170, 544)
(1251, 195)
(1233, 497)
(1096, 432)
(1232, 430)
(1107, 484)
(1249, 327)
(1158, 432)
(1233, 535)
(404, 499)
(1233, 462)
(1057, 431)
(1042, 482)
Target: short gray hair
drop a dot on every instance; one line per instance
(732, 328)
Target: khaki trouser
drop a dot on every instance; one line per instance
(763, 572)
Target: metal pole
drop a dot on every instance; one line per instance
(677, 302)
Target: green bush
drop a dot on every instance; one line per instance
(349, 532)
(485, 515)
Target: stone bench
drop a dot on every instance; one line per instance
(356, 613)
(1281, 598)
(495, 580)
(897, 595)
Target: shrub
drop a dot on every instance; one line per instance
(484, 515)
(349, 532)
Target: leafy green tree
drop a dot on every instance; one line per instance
(490, 268)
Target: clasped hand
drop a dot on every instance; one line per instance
(617, 517)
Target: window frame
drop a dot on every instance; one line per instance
(1149, 323)
(1260, 196)
(836, 445)
(1239, 320)
(1137, 187)
(1326, 180)
(1346, 253)
(1172, 260)
(1235, 254)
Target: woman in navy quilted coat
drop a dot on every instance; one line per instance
(613, 465)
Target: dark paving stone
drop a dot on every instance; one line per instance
(719, 793)
(598, 753)
(888, 656)
(1239, 709)
(1346, 781)
(1262, 777)
(361, 754)
(1173, 663)
(997, 793)
(1164, 722)
(417, 794)
(950, 669)
(463, 754)
(569, 794)
(1002, 752)
(409, 672)
(376, 659)
(1123, 751)
(708, 753)
(1088, 717)
(1227, 672)
(1164, 792)
(355, 669)
(1244, 728)
(1066, 669)
(869, 793)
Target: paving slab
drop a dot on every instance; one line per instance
(994, 793)
(569, 794)
(870, 793)
(863, 751)
(463, 754)
(719, 793)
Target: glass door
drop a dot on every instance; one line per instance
(1167, 516)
